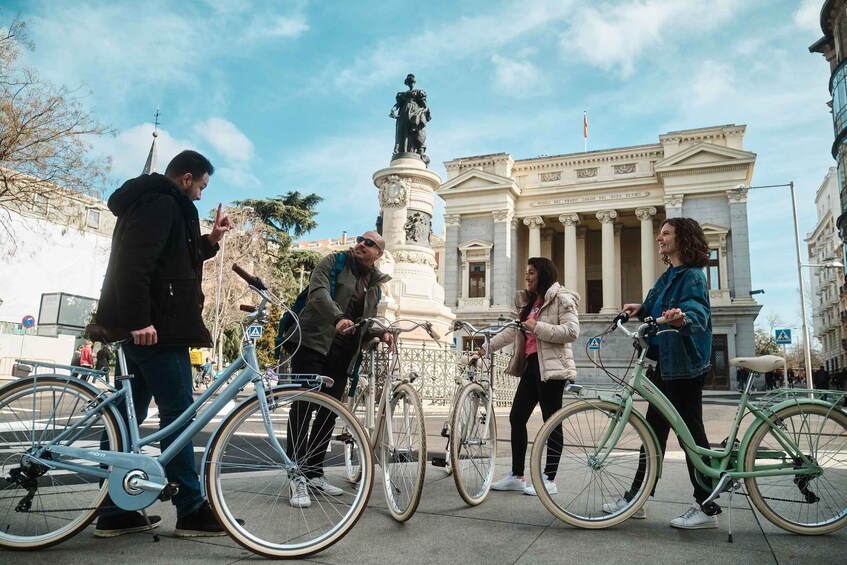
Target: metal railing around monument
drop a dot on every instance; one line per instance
(438, 369)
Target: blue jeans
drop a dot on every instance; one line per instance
(164, 374)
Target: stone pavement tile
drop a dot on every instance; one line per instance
(804, 550)
(442, 497)
(431, 538)
(631, 544)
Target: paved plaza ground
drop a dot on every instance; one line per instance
(508, 528)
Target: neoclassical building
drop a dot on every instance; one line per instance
(596, 215)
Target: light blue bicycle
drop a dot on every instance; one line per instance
(64, 447)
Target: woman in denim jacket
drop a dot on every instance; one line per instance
(682, 357)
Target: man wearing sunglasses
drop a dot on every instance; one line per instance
(327, 349)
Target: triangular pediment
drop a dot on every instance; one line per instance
(704, 155)
(475, 244)
(476, 178)
(714, 228)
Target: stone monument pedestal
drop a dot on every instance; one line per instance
(407, 196)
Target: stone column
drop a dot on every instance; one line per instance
(648, 248)
(618, 266)
(740, 257)
(582, 274)
(570, 222)
(607, 218)
(535, 224)
(547, 243)
(499, 278)
(452, 225)
(466, 276)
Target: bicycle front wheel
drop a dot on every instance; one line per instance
(803, 504)
(602, 485)
(473, 444)
(402, 453)
(40, 506)
(289, 510)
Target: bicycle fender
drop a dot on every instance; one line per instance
(745, 441)
(660, 458)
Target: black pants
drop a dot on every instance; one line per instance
(686, 395)
(531, 392)
(307, 447)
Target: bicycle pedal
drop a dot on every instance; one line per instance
(170, 491)
(439, 462)
(445, 430)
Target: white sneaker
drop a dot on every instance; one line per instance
(509, 482)
(619, 504)
(549, 485)
(322, 484)
(694, 519)
(299, 493)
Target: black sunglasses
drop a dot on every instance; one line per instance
(368, 242)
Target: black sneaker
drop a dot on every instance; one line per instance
(126, 523)
(200, 523)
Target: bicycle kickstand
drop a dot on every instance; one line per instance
(149, 525)
(735, 486)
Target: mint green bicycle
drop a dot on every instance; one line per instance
(792, 458)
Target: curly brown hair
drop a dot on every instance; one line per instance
(691, 242)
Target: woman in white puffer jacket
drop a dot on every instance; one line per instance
(543, 359)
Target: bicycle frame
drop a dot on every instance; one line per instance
(246, 369)
(720, 459)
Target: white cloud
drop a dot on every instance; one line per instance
(454, 41)
(226, 139)
(277, 27)
(712, 83)
(808, 16)
(517, 78)
(615, 35)
(129, 150)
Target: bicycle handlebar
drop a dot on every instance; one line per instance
(489, 330)
(394, 329)
(252, 280)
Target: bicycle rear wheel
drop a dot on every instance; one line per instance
(246, 478)
(598, 487)
(39, 506)
(803, 504)
(473, 444)
(402, 453)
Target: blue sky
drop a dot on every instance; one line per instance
(294, 95)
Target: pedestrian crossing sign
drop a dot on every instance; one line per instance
(783, 337)
(594, 343)
(254, 332)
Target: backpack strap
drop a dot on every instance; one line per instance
(340, 263)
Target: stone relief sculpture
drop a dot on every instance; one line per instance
(418, 229)
(412, 114)
(394, 191)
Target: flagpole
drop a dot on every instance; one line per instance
(585, 131)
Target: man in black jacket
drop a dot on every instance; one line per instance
(152, 292)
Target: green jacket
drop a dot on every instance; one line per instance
(322, 312)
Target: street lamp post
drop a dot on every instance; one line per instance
(807, 351)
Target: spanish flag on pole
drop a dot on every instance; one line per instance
(585, 130)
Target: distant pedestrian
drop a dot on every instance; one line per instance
(86, 356)
(770, 380)
(791, 378)
(821, 378)
(741, 377)
(103, 359)
(75, 361)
